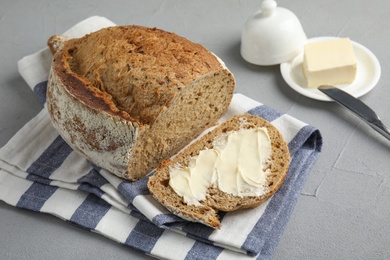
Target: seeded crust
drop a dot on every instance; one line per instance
(217, 200)
(127, 97)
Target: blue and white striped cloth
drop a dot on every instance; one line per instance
(40, 172)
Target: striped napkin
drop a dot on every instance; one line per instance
(40, 172)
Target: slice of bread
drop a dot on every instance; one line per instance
(217, 200)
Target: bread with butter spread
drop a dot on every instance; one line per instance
(205, 212)
(127, 97)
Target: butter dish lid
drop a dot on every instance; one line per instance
(271, 36)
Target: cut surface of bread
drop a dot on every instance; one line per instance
(127, 97)
(217, 200)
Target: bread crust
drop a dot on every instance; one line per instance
(217, 200)
(89, 131)
(115, 95)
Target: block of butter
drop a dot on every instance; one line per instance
(329, 62)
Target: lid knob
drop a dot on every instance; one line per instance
(267, 7)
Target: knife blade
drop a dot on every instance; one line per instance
(356, 106)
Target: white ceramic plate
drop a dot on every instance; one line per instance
(367, 74)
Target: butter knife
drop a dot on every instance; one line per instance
(358, 107)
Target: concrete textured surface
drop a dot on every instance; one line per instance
(343, 211)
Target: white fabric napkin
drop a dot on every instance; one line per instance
(40, 172)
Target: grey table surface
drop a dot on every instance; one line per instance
(343, 212)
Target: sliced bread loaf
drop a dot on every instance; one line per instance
(205, 211)
(127, 97)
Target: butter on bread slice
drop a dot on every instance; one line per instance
(217, 200)
(329, 62)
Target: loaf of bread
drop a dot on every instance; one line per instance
(205, 211)
(127, 97)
